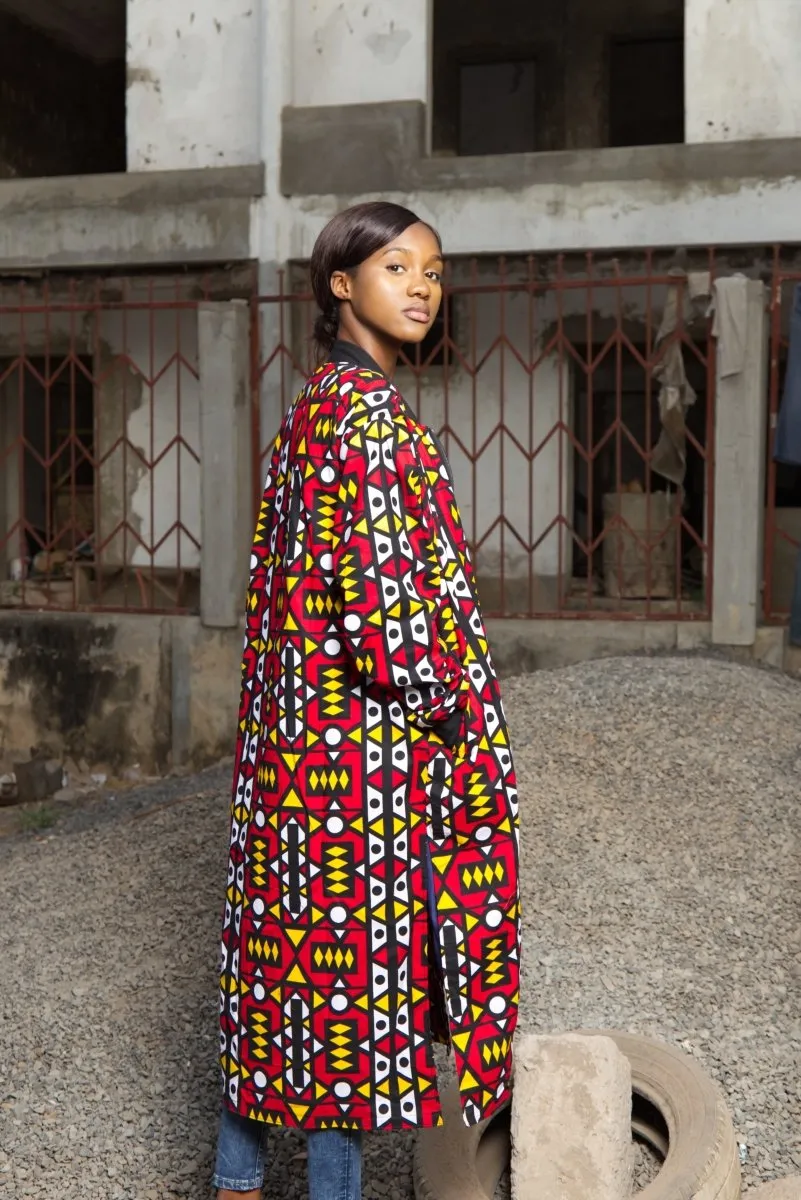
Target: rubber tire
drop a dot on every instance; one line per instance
(702, 1161)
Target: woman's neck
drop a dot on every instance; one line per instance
(385, 353)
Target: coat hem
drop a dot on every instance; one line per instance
(333, 1119)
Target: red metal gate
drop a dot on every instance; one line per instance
(543, 378)
(99, 444)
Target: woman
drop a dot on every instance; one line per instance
(372, 902)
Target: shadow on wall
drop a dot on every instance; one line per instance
(160, 692)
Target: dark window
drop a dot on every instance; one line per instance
(62, 103)
(646, 92)
(498, 107)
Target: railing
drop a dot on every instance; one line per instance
(99, 444)
(544, 376)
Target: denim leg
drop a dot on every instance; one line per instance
(240, 1153)
(335, 1164)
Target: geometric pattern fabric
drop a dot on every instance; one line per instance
(364, 634)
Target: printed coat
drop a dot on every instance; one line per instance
(364, 639)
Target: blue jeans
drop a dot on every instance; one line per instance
(334, 1159)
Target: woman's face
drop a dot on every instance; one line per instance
(396, 293)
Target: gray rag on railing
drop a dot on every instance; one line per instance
(676, 394)
(728, 299)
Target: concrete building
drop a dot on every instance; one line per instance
(617, 184)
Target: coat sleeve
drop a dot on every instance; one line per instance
(387, 569)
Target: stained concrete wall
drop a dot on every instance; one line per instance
(194, 83)
(156, 691)
(163, 691)
(359, 53)
(742, 69)
(148, 219)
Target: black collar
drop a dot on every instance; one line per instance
(350, 352)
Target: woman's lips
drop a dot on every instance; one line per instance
(421, 315)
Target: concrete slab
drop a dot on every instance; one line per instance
(770, 643)
(314, 137)
(571, 1119)
(693, 635)
(520, 646)
(153, 218)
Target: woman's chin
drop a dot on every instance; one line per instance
(414, 333)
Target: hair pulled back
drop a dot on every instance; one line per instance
(351, 237)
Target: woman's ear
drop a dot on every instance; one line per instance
(341, 285)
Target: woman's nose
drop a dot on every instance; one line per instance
(420, 286)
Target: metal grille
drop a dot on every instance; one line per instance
(99, 444)
(543, 379)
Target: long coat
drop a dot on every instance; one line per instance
(364, 644)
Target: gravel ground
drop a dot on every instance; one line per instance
(659, 801)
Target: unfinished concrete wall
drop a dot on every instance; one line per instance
(736, 195)
(163, 691)
(61, 112)
(157, 691)
(742, 70)
(359, 53)
(194, 83)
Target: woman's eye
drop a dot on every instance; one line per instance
(394, 267)
(435, 275)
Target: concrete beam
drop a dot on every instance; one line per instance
(350, 148)
(740, 448)
(152, 218)
(571, 1119)
(354, 148)
(522, 646)
(226, 502)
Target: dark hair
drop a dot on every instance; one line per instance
(351, 237)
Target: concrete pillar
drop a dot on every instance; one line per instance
(758, 94)
(571, 1119)
(740, 449)
(390, 40)
(554, 405)
(194, 83)
(226, 502)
